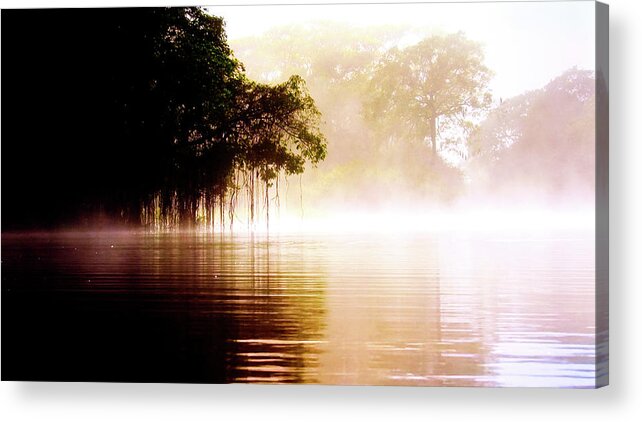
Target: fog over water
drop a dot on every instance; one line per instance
(525, 159)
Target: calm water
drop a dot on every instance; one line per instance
(451, 309)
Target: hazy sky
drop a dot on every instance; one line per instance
(526, 44)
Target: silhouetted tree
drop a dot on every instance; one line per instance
(144, 114)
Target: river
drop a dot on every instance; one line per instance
(439, 309)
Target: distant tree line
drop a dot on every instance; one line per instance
(144, 116)
(410, 118)
(141, 116)
(540, 145)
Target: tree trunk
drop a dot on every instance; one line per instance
(433, 135)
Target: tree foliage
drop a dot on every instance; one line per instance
(363, 166)
(147, 115)
(540, 144)
(437, 84)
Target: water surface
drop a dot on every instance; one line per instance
(440, 309)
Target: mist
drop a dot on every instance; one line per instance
(314, 125)
(526, 161)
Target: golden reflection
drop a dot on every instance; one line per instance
(446, 308)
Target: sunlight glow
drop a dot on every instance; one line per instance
(541, 45)
(407, 222)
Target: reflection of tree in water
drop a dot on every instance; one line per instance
(279, 312)
(254, 310)
(465, 327)
(340, 310)
(158, 309)
(395, 318)
(249, 313)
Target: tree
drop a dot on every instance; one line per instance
(539, 145)
(174, 88)
(363, 165)
(335, 59)
(441, 82)
(276, 131)
(216, 123)
(144, 114)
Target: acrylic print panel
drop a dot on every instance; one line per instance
(380, 194)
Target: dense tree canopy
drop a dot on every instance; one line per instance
(146, 116)
(373, 156)
(438, 83)
(139, 115)
(539, 145)
(376, 94)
